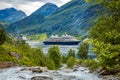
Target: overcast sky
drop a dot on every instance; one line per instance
(29, 6)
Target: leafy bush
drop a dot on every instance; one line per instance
(105, 35)
(54, 54)
(83, 50)
(71, 52)
(50, 64)
(70, 62)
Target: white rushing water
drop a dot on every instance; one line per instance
(64, 74)
(81, 73)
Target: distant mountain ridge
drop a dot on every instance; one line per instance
(11, 15)
(36, 17)
(75, 18)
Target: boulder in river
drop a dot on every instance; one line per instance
(104, 72)
(6, 64)
(38, 69)
(41, 78)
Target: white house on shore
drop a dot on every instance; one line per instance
(21, 37)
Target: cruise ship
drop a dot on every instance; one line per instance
(63, 40)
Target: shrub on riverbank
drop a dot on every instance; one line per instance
(70, 62)
(54, 54)
(90, 63)
(83, 50)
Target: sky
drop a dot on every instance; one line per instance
(29, 6)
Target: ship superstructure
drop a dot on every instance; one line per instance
(63, 40)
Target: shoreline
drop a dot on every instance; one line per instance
(8, 65)
(38, 72)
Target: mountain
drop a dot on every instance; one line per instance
(74, 18)
(11, 15)
(46, 9)
(37, 17)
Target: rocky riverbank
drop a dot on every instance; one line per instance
(6, 64)
(42, 73)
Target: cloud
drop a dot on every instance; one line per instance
(5, 5)
(28, 6)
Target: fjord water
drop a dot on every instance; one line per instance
(63, 48)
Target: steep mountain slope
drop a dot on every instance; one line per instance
(26, 24)
(38, 17)
(75, 18)
(46, 9)
(11, 15)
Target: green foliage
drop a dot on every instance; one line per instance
(30, 56)
(70, 62)
(70, 18)
(27, 61)
(92, 64)
(80, 37)
(71, 52)
(64, 59)
(50, 64)
(38, 57)
(83, 50)
(54, 54)
(5, 57)
(38, 37)
(106, 36)
(96, 1)
(2, 36)
(86, 0)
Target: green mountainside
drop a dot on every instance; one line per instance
(11, 15)
(74, 18)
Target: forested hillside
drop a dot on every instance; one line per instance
(75, 18)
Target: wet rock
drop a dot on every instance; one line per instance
(75, 70)
(41, 78)
(109, 77)
(76, 66)
(118, 78)
(22, 77)
(6, 64)
(68, 70)
(25, 68)
(83, 69)
(38, 69)
(104, 72)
